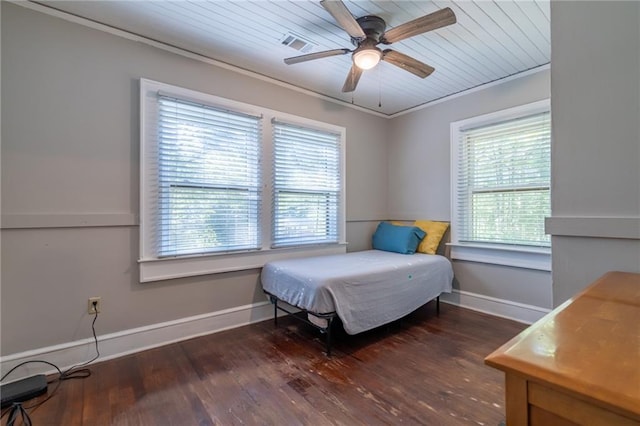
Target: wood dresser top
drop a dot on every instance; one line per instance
(589, 346)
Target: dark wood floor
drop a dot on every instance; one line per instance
(426, 370)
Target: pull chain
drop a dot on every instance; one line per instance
(379, 88)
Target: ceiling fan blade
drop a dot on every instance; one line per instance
(433, 21)
(344, 18)
(352, 79)
(316, 55)
(407, 63)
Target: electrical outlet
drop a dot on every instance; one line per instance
(93, 305)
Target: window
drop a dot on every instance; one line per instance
(501, 187)
(205, 206)
(208, 179)
(306, 186)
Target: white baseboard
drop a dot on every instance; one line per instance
(515, 311)
(126, 342)
(134, 340)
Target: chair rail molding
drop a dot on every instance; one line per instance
(594, 227)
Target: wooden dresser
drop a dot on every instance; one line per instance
(580, 364)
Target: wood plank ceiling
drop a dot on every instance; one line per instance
(490, 41)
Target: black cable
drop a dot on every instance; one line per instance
(18, 409)
(70, 373)
(28, 362)
(85, 372)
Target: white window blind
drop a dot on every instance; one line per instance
(502, 191)
(306, 185)
(207, 198)
(208, 179)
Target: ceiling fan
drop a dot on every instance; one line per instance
(367, 32)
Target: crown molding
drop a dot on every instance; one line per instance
(48, 10)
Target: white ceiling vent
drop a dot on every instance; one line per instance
(298, 43)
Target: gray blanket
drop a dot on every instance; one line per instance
(366, 289)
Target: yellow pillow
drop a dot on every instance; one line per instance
(398, 223)
(435, 231)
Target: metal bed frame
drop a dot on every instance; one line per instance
(329, 317)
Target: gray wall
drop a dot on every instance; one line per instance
(595, 86)
(70, 155)
(420, 184)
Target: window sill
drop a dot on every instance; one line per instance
(189, 266)
(519, 257)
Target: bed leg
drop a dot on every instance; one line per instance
(328, 331)
(438, 305)
(275, 311)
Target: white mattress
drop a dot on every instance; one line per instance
(366, 289)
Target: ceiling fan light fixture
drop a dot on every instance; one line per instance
(367, 32)
(366, 59)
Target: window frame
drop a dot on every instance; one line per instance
(155, 268)
(177, 176)
(300, 190)
(529, 257)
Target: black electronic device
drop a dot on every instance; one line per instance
(23, 390)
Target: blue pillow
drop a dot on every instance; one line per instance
(398, 239)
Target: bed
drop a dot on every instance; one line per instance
(364, 289)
